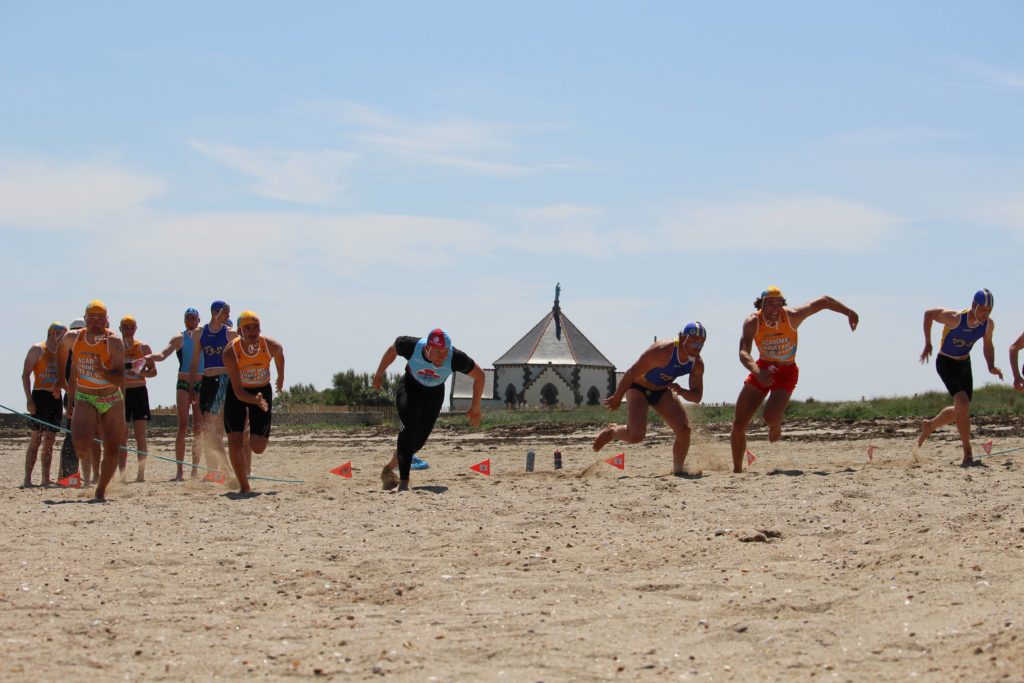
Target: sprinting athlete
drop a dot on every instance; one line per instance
(41, 365)
(420, 394)
(136, 396)
(96, 391)
(209, 343)
(650, 383)
(774, 374)
(962, 329)
(186, 396)
(250, 399)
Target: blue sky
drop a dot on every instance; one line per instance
(354, 172)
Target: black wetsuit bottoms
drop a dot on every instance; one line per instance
(956, 375)
(418, 408)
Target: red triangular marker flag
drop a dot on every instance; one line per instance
(871, 453)
(215, 477)
(987, 447)
(482, 467)
(343, 470)
(73, 481)
(750, 457)
(617, 461)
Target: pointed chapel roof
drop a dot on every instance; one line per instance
(554, 340)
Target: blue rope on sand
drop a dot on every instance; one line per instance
(143, 453)
(1009, 450)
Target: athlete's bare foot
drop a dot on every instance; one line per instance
(403, 486)
(389, 479)
(968, 460)
(926, 431)
(180, 477)
(604, 437)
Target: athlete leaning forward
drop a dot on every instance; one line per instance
(953, 363)
(420, 395)
(772, 327)
(650, 383)
(250, 399)
(96, 391)
(186, 395)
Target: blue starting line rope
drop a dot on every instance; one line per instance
(1008, 450)
(143, 453)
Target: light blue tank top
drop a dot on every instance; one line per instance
(425, 372)
(185, 354)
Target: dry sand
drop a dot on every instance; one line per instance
(814, 565)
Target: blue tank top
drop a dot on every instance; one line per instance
(213, 346)
(958, 341)
(664, 376)
(185, 353)
(425, 372)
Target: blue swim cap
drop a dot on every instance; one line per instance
(217, 305)
(695, 329)
(192, 311)
(983, 297)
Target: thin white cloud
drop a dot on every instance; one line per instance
(37, 193)
(455, 142)
(302, 177)
(560, 212)
(989, 76)
(809, 223)
(1008, 214)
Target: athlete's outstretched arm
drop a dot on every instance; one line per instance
(989, 349)
(945, 316)
(475, 411)
(644, 363)
(1015, 347)
(388, 358)
(172, 346)
(823, 303)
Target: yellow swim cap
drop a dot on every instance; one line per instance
(95, 306)
(772, 291)
(247, 317)
(128, 319)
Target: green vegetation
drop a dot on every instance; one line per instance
(348, 388)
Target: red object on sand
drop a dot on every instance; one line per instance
(72, 481)
(482, 467)
(987, 447)
(343, 470)
(617, 461)
(750, 457)
(871, 453)
(215, 477)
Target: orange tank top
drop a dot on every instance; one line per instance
(45, 371)
(255, 367)
(90, 360)
(132, 378)
(776, 344)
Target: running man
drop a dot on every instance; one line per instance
(774, 375)
(95, 391)
(1015, 347)
(250, 399)
(953, 363)
(646, 384)
(136, 396)
(41, 365)
(208, 344)
(420, 394)
(186, 395)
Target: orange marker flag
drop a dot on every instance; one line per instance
(987, 447)
(73, 481)
(617, 461)
(871, 453)
(750, 457)
(215, 477)
(483, 468)
(343, 470)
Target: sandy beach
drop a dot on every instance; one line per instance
(816, 564)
